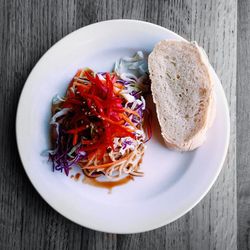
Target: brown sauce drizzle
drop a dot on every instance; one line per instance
(77, 176)
(107, 184)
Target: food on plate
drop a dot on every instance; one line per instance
(182, 89)
(100, 124)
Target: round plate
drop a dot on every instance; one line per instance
(174, 182)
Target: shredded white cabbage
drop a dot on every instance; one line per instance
(132, 67)
(58, 114)
(134, 71)
(57, 99)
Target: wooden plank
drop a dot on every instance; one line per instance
(243, 124)
(213, 221)
(28, 28)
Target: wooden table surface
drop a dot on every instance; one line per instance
(29, 28)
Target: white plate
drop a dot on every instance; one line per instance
(173, 183)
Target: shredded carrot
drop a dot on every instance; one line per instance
(75, 139)
(79, 72)
(132, 112)
(117, 92)
(87, 142)
(106, 165)
(118, 85)
(119, 123)
(111, 121)
(81, 85)
(76, 130)
(128, 121)
(91, 156)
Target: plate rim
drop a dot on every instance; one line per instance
(95, 226)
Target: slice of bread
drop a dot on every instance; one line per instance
(182, 89)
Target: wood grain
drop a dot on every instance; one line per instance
(243, 125)
(214, 27)
(27, 29)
